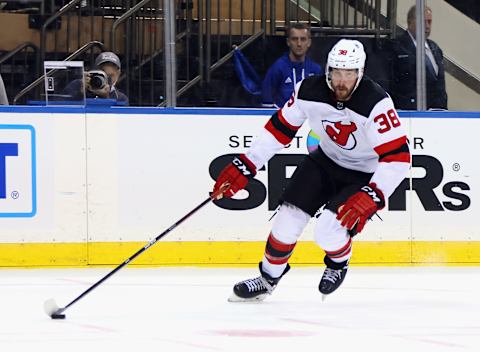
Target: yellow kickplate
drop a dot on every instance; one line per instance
(230, 253)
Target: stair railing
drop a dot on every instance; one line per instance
(74, 55)
(22, 68)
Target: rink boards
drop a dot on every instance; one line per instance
(92, 186)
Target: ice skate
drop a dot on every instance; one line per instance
(333, 276)
(257, 289)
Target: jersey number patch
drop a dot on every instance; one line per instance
(387, 122)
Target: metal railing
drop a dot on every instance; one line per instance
(76, 23)
(204, 31)
(20, 65)
(74, 26)
(76, 54)
(43, 35)
(22, 47)
(217, 27)
(333, 17)
(137, 35)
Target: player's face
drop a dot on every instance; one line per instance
(299, 41)
(343, 82)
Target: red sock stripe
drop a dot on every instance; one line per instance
(276, 260)
(280, 246)
(278, 252)
(340, 254)
(342, 251)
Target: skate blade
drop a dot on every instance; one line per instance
(234, 298)
(324, 297)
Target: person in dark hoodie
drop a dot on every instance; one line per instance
(289, 69)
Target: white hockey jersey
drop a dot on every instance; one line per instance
(363, 133)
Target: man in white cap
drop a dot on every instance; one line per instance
(362, 158)
(100, 82)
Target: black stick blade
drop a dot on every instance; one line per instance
(58, 316)
(52, 309)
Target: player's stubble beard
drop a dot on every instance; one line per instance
(342, 92)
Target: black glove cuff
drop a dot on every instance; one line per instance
(375, 194)
(244, 165)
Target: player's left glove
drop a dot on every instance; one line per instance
(360, 207)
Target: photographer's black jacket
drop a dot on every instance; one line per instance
(75, 92)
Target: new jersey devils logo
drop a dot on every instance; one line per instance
(341, 134)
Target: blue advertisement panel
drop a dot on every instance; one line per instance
(18, 195)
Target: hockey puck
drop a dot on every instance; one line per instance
(58, 316)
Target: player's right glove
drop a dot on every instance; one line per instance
(360, 207)
(236, 175)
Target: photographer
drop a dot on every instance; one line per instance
(100, 83)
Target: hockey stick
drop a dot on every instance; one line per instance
(55, 312)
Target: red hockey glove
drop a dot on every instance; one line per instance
(236, 175)
(360, 207)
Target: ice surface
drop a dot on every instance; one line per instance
(185, 309)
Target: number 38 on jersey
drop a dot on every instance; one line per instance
(387, 121)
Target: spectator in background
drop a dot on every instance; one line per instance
(3, 93)
(404, 85)
(110, 64)
(281, 78)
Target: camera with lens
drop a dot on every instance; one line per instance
(98, 79)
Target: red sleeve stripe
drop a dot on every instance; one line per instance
(286, 123)
(389, 146)
(400, 157)
(280, 128)
(275, 260)
(279, 136)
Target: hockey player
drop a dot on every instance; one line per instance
(362, 158)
